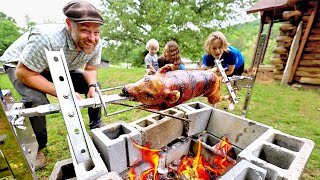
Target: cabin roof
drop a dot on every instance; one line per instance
(267, 5)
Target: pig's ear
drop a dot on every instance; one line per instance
(172, 97)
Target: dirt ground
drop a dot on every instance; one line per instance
(264, 76)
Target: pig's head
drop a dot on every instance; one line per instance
(152, 90)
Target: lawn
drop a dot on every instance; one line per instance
(294, 111)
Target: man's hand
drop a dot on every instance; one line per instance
(78, 96)
(90, 75)
(92, 92)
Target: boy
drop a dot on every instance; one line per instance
(151, 59)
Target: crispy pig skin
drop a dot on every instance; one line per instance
(168, 88)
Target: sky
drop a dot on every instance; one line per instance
(44, 11)
(40, 11)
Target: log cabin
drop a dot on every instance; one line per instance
(296, 57)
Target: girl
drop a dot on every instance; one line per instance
(216, 47)
(171, 55)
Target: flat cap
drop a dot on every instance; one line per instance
(82, 11)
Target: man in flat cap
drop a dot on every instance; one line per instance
(26, 64)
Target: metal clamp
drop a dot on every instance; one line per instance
(101, 100)
(18, 122)
(226, 80)
(241, 81)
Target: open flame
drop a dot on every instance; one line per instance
(189, 167)
(150, 156)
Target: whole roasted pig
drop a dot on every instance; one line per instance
(169, 88)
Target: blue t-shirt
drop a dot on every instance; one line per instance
(233, 57)
(182, 67)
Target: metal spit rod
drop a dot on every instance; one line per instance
(153, 111)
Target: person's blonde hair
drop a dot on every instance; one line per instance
(213, 36)
(152, 42)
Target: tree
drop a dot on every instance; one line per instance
(9, 32)
(132, 23)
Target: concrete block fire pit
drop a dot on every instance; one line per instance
(198, 113)
(251, 150)
(114, 142)
(282, 155)
(240, 131)
(246, 171)
(158, 130)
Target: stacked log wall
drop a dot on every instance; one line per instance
(308, 70)
(281, 51)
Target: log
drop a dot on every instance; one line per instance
(284, 39)
(277, 61)
(310, 56)
(277, 72)
(266, 68)
(291, 15)
(281, 56)
(292, 2)
(308, 69)
(308, 74)
(292, 56)
(316, 25)
(306, 62)
(280, 50)
(314, 38)
(311, 4)
(290, 33)
(309, 80)
(313, 44)
(279, 67)
(287, 27)
(314, 31)
(312, 50)
(305, 19)
(277, 77)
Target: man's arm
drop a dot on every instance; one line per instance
(90, 76)
(34, 80)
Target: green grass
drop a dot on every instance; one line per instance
(292, 111)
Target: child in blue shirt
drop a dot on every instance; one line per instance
(216, 47)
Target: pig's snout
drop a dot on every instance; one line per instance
(125, 92)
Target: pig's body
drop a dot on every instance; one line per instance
(168, 89)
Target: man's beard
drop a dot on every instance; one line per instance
(82, 45)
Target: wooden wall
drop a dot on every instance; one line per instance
(307, 67)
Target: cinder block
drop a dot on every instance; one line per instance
(209, 141)
(198, 113)
(115, 144)
(89, 169)
(240, 131)
(159, 130)
(177, 150)
(110, 176)
(63, 170)
(282, 155)
(245, 170)
(208, 153)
